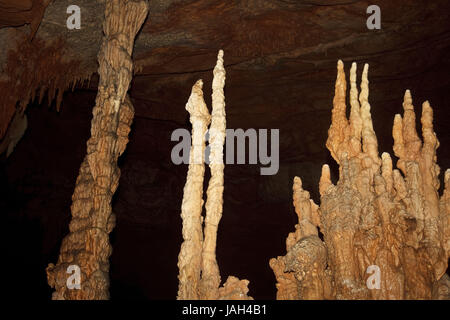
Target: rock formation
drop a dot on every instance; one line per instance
(210, 280)
(199, 276)
(386, 231)
(87, 245)
(190, 258)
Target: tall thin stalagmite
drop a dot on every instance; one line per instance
(199, 275)
(87, 245)
(190, 257)
(210, 283)
(386, 232)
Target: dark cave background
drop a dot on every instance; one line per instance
(280, 59)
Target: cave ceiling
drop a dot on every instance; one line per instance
(280, 58)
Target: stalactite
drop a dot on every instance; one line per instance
(199, 275)
(374, 218)
(87, 245)
(35, 68)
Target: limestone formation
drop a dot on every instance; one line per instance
(214, 202)
(385, 231)
(190, 257)
(87, 245)
(199, 275)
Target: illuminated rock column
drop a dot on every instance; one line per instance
(87, 244)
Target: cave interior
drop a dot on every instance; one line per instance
(280, 61)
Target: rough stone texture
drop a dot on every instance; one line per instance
(190, 258)
(234, 289)
(374, 215)
(199, 275)
(210, 280)
(87, 245)
(302, 273)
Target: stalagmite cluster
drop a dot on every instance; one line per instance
(199, 276)
(87, 245)
(386, 231)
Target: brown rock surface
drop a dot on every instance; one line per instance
(15, 13)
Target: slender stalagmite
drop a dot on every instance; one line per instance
(210, 281)
(385, 232)
(87, 246)
(190, 257)
(199, 275)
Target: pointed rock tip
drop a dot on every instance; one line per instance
(365, 71)
(426, 105)
(386, 157)
(353, 72)
(199, 83)
(408, 95)
(407, 101)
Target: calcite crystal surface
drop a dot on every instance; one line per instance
(199, 275)
(87, 244)
(385, 230)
